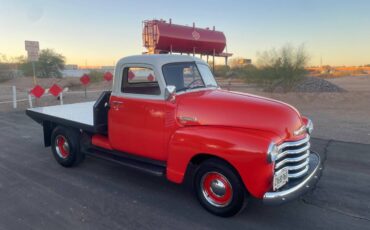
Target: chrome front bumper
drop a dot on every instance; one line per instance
(296, 188)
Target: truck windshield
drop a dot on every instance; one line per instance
(188, 76)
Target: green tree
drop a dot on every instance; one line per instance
(49, 64)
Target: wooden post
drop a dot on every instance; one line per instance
(34, 73)
(214, 53)
(229, 83)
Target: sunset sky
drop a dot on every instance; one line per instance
(101, 32)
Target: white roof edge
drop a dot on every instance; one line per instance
(158, 59)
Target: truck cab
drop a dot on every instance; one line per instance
(166, 115)
(142, 119)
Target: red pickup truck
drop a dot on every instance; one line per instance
(167, 116)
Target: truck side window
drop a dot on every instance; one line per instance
(140, 80)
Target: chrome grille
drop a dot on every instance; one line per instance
(294, 157)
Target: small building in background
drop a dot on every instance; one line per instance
(240, 62)
(244, 61)
(107, 68)
(70, 67)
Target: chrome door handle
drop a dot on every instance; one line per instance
(116, 104)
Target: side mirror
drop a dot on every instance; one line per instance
(170, 93)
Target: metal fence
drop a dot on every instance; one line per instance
(12, 98)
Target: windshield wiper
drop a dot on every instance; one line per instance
(182, 89)
(195, 87)
(198, 86)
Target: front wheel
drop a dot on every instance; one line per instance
(219, 188)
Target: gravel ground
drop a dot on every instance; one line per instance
(315, 84)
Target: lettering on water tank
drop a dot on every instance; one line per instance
(195, 35)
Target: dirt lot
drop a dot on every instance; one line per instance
(340, 116)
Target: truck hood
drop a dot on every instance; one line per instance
(241, 110)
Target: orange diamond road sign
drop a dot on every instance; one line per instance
(131, 75)
(108, 76)
(55, 90)
(37, 91)
(85, 79)
(150, 77)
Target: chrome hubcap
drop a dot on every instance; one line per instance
(216, 189)
(62, 146)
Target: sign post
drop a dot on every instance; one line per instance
(32, 48)
(85, 80)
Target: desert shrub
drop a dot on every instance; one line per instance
(247, 72)
(280, 68)
(96, 76)
(5, 72)
(221, 71)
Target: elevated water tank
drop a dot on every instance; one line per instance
(162, 37)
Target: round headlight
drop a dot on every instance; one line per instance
(309, 127)
(272, 152)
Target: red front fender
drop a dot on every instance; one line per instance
(244, 149)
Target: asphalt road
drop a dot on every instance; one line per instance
(37, 193)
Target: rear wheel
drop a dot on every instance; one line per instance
(219, 188)
(65, 145)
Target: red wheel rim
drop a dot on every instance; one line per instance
(62, 146)
(216, 189)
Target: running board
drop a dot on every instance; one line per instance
(156, 168)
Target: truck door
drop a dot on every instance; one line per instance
(136, 115)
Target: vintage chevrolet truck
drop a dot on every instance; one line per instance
(167, 116)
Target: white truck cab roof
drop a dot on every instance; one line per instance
(152, 61)
(158, 59)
